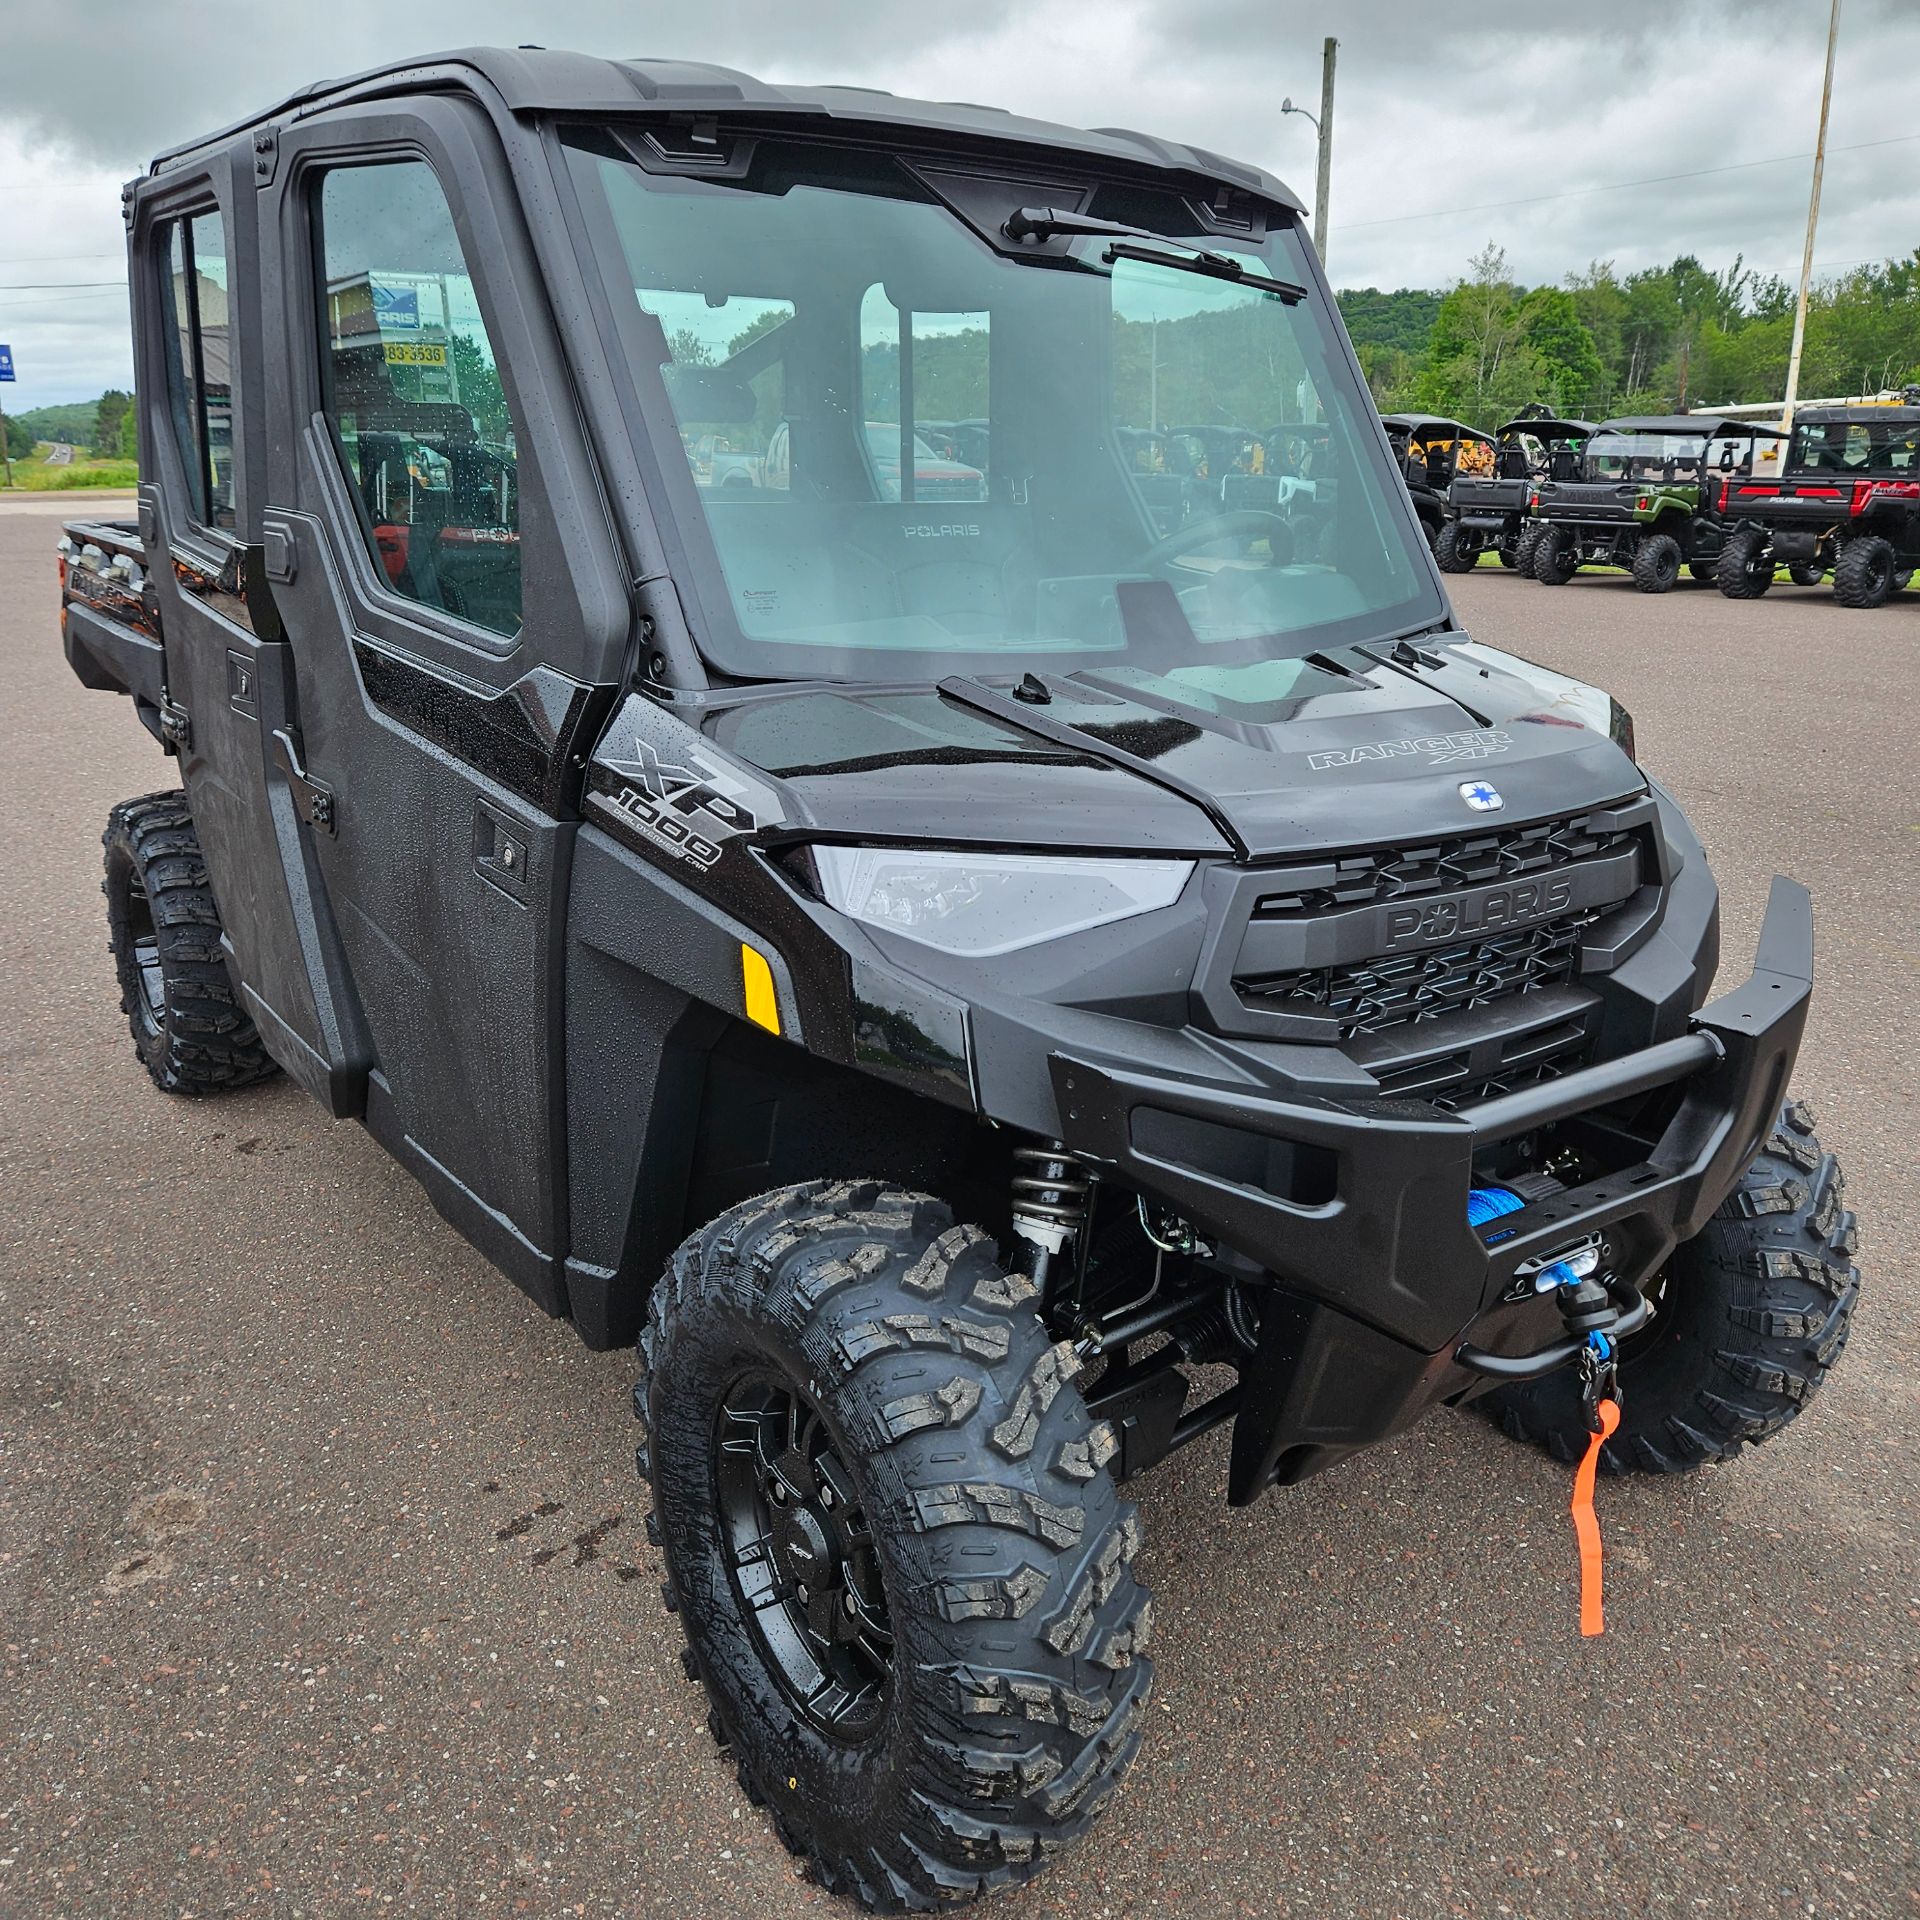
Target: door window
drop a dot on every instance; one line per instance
(196, 339)
(923, 391)
(414, 392)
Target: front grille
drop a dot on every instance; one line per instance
(1368, 996)
(1440, 866)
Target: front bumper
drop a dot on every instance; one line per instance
(1358, 1210)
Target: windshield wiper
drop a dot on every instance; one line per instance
(1048, 223)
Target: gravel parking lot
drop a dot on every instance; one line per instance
(323, 1586)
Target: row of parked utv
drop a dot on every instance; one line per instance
(1729, 500)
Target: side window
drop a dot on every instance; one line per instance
(923, 398)
(199, 364)
(725, 373)
(414, 392)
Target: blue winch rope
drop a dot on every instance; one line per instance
(1490, 1203)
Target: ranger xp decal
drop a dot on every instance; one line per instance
(1441, 749)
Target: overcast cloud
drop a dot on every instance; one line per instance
(1442, 109)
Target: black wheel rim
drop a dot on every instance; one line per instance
(144, 945)
(801, 1556)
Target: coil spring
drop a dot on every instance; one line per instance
(1056, 1190)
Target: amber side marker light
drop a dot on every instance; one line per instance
(763, 1004)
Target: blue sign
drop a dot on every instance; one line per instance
(6, 363)
(395, 309)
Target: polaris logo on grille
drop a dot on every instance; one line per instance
(1491, 911)
(1440, 749)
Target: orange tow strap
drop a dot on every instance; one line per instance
(1585, 1526)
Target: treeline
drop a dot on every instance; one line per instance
(103, 428)
(1656, 341)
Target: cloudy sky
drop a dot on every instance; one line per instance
(1449, 113)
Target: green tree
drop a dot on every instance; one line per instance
(112, 410)
(130, 434)
(1573, 377)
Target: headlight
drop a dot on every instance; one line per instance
(980, 904)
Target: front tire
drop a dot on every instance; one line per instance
(1656, 563)
(1524, 550)
(903, 1569)
(1745, 568)
(189, 1028)
(1749, 1319)
(1863, 575)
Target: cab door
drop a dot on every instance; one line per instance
(229, 679)
(455, 613)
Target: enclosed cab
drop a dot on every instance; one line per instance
(697, 719)
(1846, 502)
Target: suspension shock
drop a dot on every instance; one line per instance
(1052, 1202)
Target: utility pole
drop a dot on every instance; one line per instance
(1323, 126)
(1323, 184)
(1813, 221)
(6, 452)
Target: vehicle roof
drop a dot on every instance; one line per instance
(1420, 422)
(1866, 415)
(536, 80)
(1696, 425)
(1548, 429)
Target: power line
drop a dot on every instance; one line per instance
(54, 286)
(1618, 186)
(51, 259)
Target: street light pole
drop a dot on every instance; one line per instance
(1323, 126)
(1813, 221)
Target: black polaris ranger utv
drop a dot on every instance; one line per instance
(939, 971)
(1495, 510)
(1645, 498)
(1430, 451)
(1847, 501)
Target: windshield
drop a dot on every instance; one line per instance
(1645, 456)
(938, 459)
(1857, 446)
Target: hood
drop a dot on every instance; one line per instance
(1276, 758)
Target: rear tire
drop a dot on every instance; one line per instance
(1745, 567)
(1554, 561)
(1750, 1318)
(1455, 549)
(1902, 579)
(973, 1574)
(1509, 551)
(1656, 563)
(1863, 574)
(189, 1028)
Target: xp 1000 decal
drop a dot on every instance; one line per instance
(658, 778)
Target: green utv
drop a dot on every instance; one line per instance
(684, 722)
(1644, 499)
(1495, 510)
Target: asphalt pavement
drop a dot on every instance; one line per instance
(323, 1586)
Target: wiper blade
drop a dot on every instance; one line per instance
(1216, 266)
(1048, 223)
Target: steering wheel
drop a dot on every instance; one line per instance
(1250, 521)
